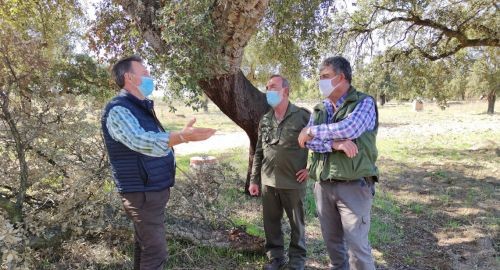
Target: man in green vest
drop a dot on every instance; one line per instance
(342, 135)
(279, 167)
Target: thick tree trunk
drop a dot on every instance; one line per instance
(237, 98)
(204, 103)
(382, 99)
(21, 157)
(491, 102)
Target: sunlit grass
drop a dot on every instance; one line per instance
(214, 118)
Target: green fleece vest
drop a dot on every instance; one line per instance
(336, 165)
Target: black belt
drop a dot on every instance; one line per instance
(336, 180)
(368, 180)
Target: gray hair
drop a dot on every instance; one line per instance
(123, 66)
(284, 81)
(339, 64)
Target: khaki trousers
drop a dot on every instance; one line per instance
(344, 213)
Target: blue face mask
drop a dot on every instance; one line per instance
(273, 98)
(147, 86)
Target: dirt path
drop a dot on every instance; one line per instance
(218, 142)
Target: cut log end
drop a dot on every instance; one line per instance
(205, 161)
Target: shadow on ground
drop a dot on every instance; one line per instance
(447, 215)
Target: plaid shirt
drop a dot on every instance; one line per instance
(124, 127)
(360, 120)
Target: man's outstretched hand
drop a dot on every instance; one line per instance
(190, 133)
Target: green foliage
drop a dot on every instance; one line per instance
(48, 114)
(189, 32)
(80, 74)
(114, 34)
(376, 78)
(417, 208)
(468, 73)
(307, 90)
(309, 202)
(290, 41)
(432, 29)
(484, 75)
(404, 37)
(389, 54)
(47, 21)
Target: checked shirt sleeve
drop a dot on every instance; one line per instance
(124, 127)
(357, 122)
(316, 144)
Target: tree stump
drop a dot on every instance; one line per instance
(202, 162)
(418, 105)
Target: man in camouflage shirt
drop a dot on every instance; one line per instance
(279, 167)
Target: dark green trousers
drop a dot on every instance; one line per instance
(291, 201)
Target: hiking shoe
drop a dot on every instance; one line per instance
(275, 264)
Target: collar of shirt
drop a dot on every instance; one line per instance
(291, 108)
(148, 103)
(330, 110)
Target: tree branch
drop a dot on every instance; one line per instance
(407, 16)
(144, 13)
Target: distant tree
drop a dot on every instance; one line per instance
(432, 29)
(307, 90)
(458, 77)
(437, 75)
(406, 30)
(376, 78)
(485, 77)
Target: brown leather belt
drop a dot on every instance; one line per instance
(368, 180)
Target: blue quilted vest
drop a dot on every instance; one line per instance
(133, 171)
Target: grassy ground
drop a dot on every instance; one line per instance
(436, 206)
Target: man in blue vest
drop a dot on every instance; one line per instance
(142, 160)
(342, 134)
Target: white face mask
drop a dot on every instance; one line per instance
(326, 87)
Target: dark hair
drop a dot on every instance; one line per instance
(284, 81)
(339, 64)
(123, 66)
